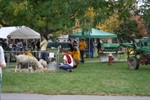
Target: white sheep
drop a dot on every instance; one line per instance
(29, 62)
(43, 63)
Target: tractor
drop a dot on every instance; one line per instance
(140, 53)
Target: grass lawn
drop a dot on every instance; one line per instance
(93, 78)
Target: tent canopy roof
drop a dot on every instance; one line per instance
(22, 32)
(93, 33)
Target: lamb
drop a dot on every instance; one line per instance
(29, 62)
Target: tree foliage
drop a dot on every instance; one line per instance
(47, 16)
(144, 11)
(127, 29)
(111, 24)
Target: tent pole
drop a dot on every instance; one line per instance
(89, 48)
(118, 40)
(26, 44)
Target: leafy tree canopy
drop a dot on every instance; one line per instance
(47, 16)
(127, 29)
(144, 11)
(110, 24)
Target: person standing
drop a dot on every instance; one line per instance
(99, 46)
(32, 45)
(75, 44)
(91, 49)
(10, 45)
(82, 46)
(43, 45)
(24, 44)
(38, 45)
(2, 64)
(70, 44)
(21, 46)
(17, 46)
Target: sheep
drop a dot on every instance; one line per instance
(43, 63)
(29, 62)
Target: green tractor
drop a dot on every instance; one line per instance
(140, 55)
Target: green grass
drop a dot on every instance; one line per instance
(87, 79)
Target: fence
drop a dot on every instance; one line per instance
(57, 44)
(10, 56)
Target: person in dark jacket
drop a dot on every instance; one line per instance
(91, 49)
(99, 46)
(70, 44)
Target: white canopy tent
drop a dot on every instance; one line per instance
(22, 32)
(5, 31)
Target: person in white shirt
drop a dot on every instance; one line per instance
(68, 62)
(2, 64)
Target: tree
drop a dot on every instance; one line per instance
(127, 29)
(111, 24)
(47, 16)
(144, 12)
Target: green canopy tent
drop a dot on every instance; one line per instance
(93, 33)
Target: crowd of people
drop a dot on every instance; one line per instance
(75, 54)
(89, 45)
(35, 47)
(19, 46)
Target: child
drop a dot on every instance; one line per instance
(27, 53)
(76, 55)
(69, 52)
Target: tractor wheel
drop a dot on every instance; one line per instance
(133, 63)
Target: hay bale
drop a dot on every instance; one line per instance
(46, 70)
